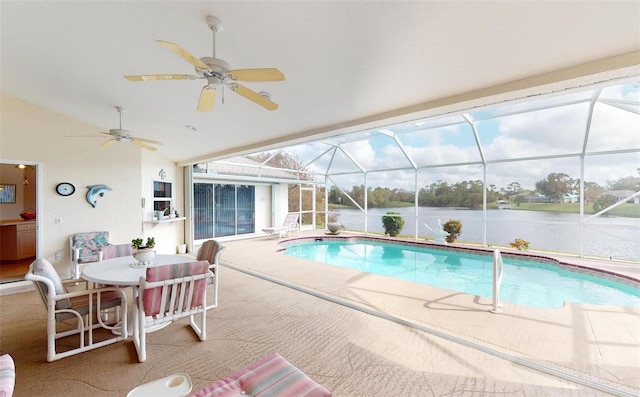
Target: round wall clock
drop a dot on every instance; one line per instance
(65, 189)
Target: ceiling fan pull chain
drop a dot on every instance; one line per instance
(222, 93)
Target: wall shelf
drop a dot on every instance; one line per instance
(168, 220)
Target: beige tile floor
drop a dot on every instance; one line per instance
(599, 344)
(446, 343)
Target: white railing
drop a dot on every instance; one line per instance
(497, 280)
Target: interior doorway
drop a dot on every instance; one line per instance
(18, 220)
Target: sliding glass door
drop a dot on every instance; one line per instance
(202, 211)
(223, 210)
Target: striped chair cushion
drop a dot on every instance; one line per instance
(7, 375)
(116, 251)
(152, 296)
(271, 376)
(208, 251)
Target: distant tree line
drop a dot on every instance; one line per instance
(557, 185)
(468, 194)
(465, 194)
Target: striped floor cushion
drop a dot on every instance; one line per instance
(272, 376)
(7, 375)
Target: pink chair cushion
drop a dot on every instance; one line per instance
(271, 376)
(152, 296)
(115, 251)
(7, 375)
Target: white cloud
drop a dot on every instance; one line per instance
(543, 133)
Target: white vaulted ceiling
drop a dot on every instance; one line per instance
(346, 64)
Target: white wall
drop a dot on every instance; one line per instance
(33, 134)
(263, 207)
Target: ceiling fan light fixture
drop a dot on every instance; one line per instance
(213, 81)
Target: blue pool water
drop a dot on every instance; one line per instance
(525, 282)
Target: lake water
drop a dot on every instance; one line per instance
(615, 237)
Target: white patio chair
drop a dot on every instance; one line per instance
(290, 224)
(85, 248)
(210, 251)
(168, 293)
(77, 311)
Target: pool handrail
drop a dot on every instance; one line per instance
(498, 267)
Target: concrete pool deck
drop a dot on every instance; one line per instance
(597, 343)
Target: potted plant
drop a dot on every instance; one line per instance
(454, 228)
(143, 251)
(392, 223)
(520, 244)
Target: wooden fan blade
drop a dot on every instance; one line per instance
(266, 74)
(143, 145)
(184, 54)
(108, 143)
(253, 96)
(145, 140)
(147, 77)
(207, 98)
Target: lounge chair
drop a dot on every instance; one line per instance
(272, 375)
(290, 224)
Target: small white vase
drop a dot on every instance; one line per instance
(144, 256)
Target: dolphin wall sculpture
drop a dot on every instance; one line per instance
(94, 192)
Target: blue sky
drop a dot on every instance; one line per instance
(556, 131)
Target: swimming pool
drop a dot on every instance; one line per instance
(531, 282)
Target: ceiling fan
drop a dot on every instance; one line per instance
(218, 74)
(120, 135)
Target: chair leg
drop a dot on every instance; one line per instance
(199, 329)
(139, 336)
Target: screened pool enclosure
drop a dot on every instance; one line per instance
(559, 171)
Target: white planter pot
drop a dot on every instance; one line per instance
(144, 256)
(334, 227)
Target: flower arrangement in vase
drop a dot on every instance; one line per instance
(144, 254)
